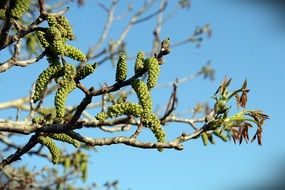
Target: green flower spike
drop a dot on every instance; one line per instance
(153, 68)
(52, 20)
(53, 149)
(42, 39)
(19, 8)
(65, 138)
(121, 72)
(63, 22)
(139, 64)
(67, 85)
(74, 53)
(143, 95)
(2, 14)
(43, 80)
(85, 71)
(151, 121)
(61, 96)
(102, 116)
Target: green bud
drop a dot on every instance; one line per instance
(121, 72)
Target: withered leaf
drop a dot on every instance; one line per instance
(244, 84)
(243, 99)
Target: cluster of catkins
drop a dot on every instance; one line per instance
(54, 41)
(143, 109)
(17, 8)
(78, 161)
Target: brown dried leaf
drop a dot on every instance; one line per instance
(244, 84)
(243, 99)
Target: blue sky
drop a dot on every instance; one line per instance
(247, 43)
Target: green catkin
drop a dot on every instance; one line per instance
(2, 14)
(52, 20)
(43, 80)
(143, 94)
(102, 116)
(54, 33)
(153, 123)
(74, 53)
(139, 64)
(121, 71)
(53, 149)
(61, 96)
(85, 71)
(63, 21)
(151, 64)
(42, 39)
(65, 138)
(53, 59)
(205, 138)
(126, 108)
(67, 85)
(58, 47)
(19, 7)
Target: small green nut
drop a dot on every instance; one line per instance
(121, 71)
(143, 94)
(205, 138)
(74, 53)
(44, 78)
(53, 149)
(219, 134)
(139, 64)
(19, 8)
(85, 71)
(151, 64)
(65, 138)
